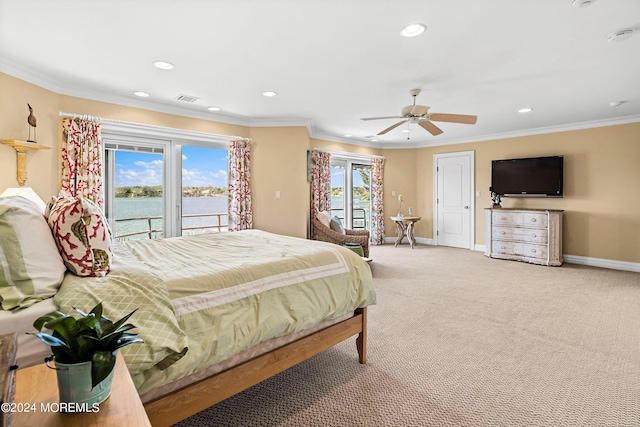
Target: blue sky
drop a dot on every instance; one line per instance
(201, 167)
(337, 178)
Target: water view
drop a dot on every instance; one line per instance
(146, 207)
(149, 210)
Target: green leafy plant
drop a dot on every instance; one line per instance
(90, 338)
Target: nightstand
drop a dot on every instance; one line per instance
(39, 385)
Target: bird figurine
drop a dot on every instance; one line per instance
(32, 124)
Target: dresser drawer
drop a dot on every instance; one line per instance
(520, 219)
(521, 249)
(529, 235)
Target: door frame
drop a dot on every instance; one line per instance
(472, 179)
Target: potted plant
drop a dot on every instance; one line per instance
(84, 351)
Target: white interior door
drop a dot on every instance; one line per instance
(454, 186)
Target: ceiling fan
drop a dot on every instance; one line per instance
(420, 114)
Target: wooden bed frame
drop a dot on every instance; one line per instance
(178, 405)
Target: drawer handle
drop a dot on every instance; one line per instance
(533, 250)
(504, 218)
(503, 233)
(502, 247)
(533, 235)
(533, 220)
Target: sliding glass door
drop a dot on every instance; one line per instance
(163, 182)
(205, 191)
(350, 193)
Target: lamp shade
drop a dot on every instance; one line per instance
(27, 193)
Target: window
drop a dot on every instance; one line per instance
(162, 182)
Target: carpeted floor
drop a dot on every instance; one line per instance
(458, 339)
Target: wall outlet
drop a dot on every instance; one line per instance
(277, 194)
(477, 193)
(393, 193)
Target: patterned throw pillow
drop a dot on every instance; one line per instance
(82, 235)
(336, 225)
(31, 269)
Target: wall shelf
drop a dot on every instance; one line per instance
(21, 148)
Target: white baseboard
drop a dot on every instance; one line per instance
(604, 263)
(571, 259)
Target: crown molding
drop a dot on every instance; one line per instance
(19, 71)
(533, 131)
(38, 79)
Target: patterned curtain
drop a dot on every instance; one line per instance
(377, 203)
(320, 182)
(82, 159)
(240, 208)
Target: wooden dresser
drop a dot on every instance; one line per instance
(528, 235)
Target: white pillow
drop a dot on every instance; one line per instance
(31, 268)
(324, 217)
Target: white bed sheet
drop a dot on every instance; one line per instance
(31, 351)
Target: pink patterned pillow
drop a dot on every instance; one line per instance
(82, 235)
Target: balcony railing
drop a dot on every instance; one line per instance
(359, 221)
(150, 230)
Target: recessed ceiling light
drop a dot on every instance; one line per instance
(616, 103)
(374, 140)
(405, 131)
(348, 135)
(618, 36)
(141, 94)
(525, 110)
(213, 108)
(164, 65)
(270, 93)
(413, 30)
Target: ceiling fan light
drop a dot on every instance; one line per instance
(413, 30)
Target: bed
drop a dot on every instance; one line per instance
(219, 312)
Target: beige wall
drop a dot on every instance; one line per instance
(279, 163)
(42, 165)
(601, 176)
(601, 170)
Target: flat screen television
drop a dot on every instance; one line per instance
(530, 177)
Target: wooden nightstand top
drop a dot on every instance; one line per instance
(39, 385)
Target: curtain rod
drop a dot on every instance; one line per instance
(345, 153)
(102, 119)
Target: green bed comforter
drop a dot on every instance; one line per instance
(205, 298)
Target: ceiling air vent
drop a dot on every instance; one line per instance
(186, 98)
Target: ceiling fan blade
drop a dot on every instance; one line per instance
(379, 118)
(453, 118)
(430, 127)
(392, 127)
(419, 110)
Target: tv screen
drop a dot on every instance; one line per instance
(530, 177)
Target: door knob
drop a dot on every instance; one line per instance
(466, 207)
